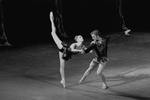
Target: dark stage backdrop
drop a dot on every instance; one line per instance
(27, 21)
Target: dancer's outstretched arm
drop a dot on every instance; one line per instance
(53, 33)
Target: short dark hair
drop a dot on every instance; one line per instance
(96, 32)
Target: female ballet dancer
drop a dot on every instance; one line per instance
(65, 52)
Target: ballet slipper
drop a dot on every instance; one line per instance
(63, 83)
(81, 80)
(127, 32)
(104, 86)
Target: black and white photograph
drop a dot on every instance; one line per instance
(74, 50)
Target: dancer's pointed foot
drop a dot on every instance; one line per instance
(127, 32)
(81, 80)
(51, 16)
(7, 44)
(104, 86)
(63, 83)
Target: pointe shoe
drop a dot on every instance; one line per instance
(51, 16)
(104, 87)
(127, 32)
(80, 81)
(7, 44)
(63, 83)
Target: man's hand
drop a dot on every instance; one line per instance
(82, 51)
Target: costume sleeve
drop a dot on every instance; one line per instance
(104, 44)
(89, 48)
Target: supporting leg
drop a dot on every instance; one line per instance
(99, 73)
(62, 70)
(59, 45)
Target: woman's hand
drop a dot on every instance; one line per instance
(82, 51)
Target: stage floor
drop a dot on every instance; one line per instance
(31, 72)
